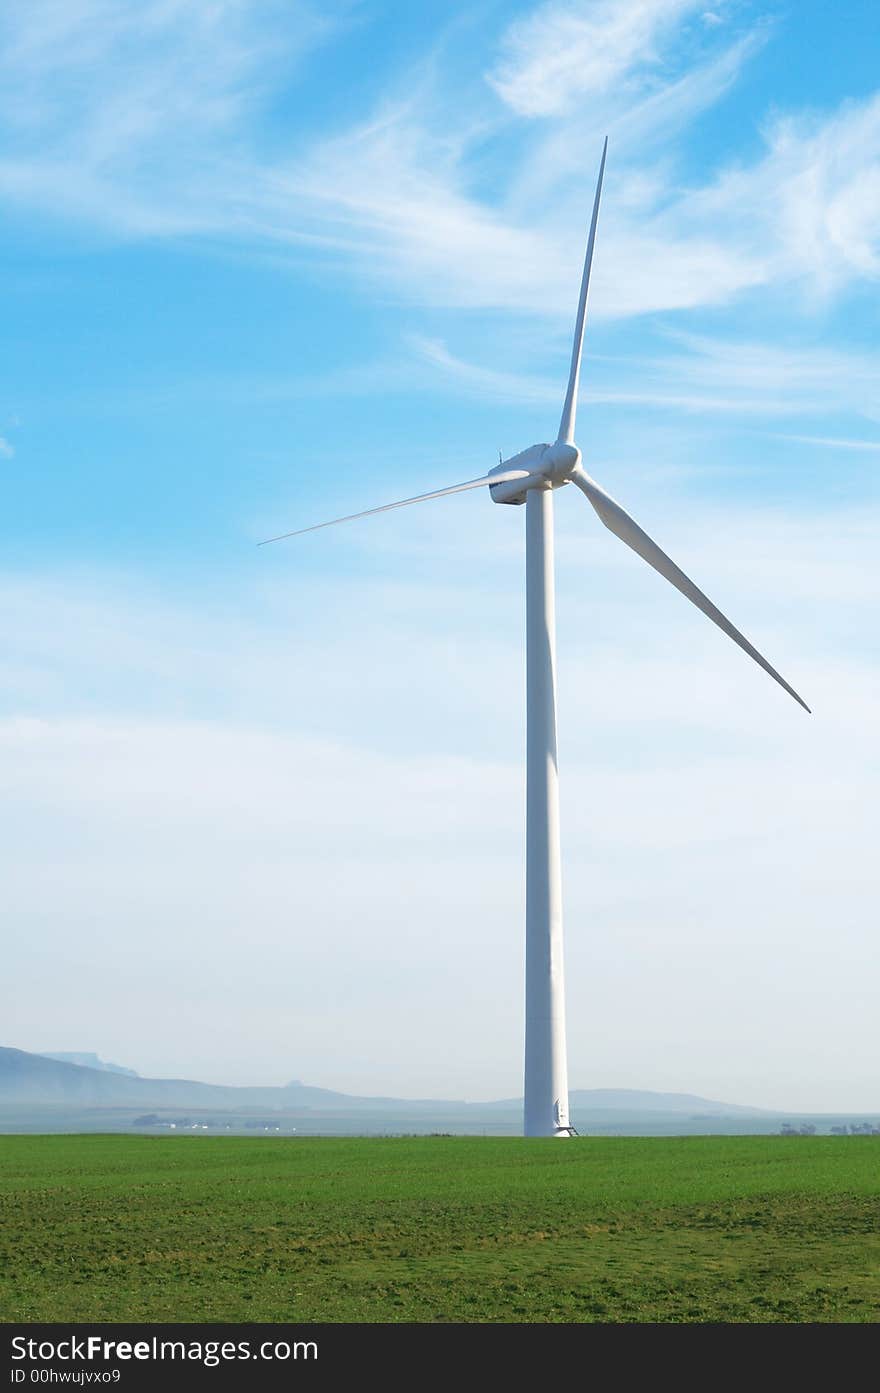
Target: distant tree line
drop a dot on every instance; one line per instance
(853, 1129)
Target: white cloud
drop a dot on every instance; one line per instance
(137, 114)
(775, 378)
(7, 451)
(833, 442)
(812, 201)
(563, 50)
(698, 374)
(148, 119)
(398, 193)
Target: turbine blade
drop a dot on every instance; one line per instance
(569, 410)
(618, 521)
(496, 478)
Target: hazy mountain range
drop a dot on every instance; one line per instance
(66, 1078)
(77, 1091)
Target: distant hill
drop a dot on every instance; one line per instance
(62, 1079)
(36, 1078)
(634, 1100)
(88, 1061)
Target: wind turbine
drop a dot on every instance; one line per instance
(531, 477)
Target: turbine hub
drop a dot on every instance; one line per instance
(559, 461)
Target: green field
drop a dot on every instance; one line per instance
(460, 1228)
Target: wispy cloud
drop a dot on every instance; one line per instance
(6, 450)
(833, 442)
(812, 200)
(778, 377)
(402, 191)
(148, 119)
(139, 114)
(696, 374)
(564, 50)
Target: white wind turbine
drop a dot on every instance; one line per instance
(531, 477)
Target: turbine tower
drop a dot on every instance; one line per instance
(530, 478)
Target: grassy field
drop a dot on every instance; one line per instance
(461, 1228)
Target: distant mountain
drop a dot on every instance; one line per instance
(61, 1079)
(635, 1100)
(88, 1061)
(36, 1078)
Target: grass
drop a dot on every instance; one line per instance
(439, 1229)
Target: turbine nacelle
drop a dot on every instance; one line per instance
(543, 465)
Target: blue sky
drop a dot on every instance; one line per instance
(267, 262)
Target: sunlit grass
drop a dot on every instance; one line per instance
(460, 1228)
